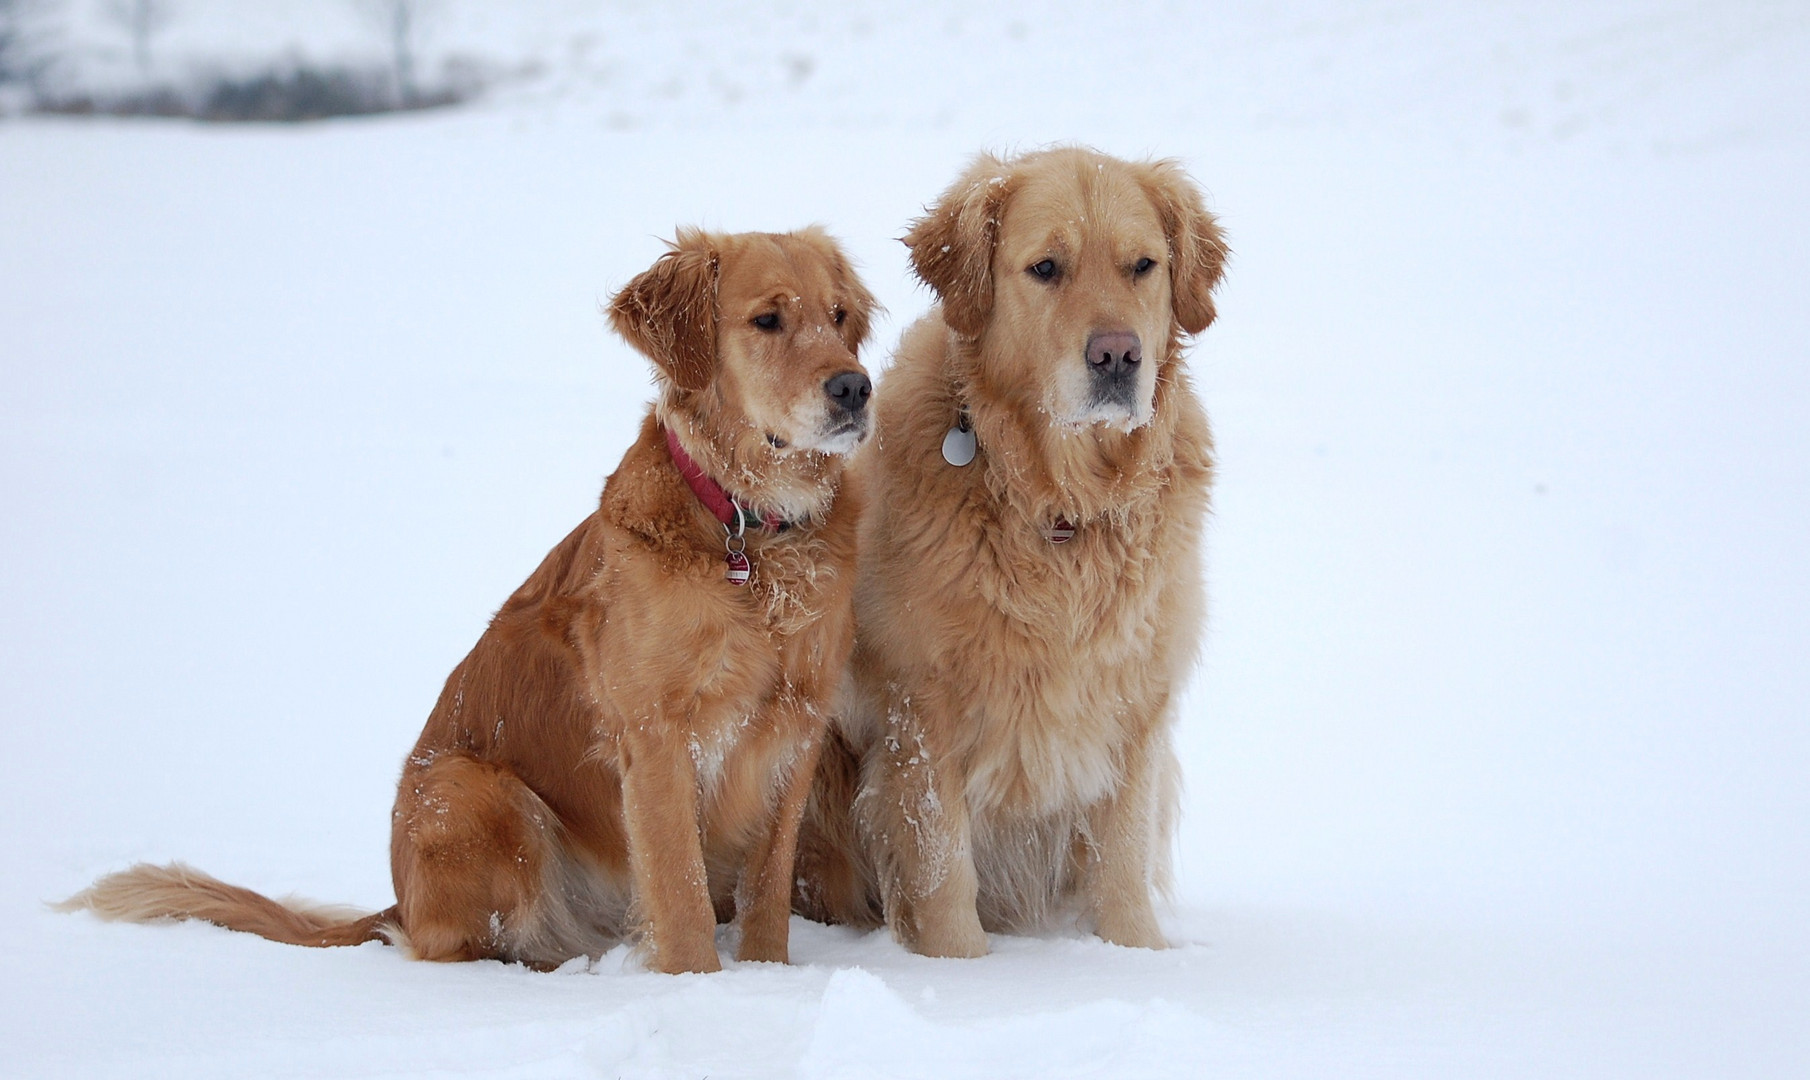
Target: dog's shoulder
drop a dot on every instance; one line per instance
(917, 400)
(1190, 442)
(641, 499)
(906, 492)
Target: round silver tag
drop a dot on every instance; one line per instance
(958, 447)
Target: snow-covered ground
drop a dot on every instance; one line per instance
(1499, 761)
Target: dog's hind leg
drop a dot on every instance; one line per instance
(834, 880)
(473, 849)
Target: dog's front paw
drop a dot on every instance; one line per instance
(963, 939)
(763, 949)
(679, 958)
(1133, 931)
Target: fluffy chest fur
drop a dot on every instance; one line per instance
(629, 625)
(671, 641)
(1052, 656)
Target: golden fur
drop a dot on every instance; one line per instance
(1005, 752)
(631, 742)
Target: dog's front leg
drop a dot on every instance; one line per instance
(764, 894)
(1127, 827)
(914, 809)
(665, 850)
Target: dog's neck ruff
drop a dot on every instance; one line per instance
(725, 507)
(735, 517)
(959, 448)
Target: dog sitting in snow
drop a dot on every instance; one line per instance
(631, 742)
(1029, 599)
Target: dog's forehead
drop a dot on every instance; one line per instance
(1073, 201)
(776, 267)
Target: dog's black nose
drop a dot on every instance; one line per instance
(850, 390)
(1114, 354)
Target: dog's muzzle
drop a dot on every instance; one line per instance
(847, 420)
(849, 391)
(1114, 359)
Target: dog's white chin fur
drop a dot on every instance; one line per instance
(841, 442)
(1069, 404)
(1109, 414)
(815, 427)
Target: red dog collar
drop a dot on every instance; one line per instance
(719, 502)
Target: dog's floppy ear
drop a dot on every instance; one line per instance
(669, 310)
(952, 244)
(858, 304)
(1197, 249)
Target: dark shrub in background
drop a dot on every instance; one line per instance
(313, 94)
(290, 94)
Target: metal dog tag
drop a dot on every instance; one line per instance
(958, 446)
(1059, 533)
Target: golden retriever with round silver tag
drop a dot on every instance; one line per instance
(1029, 596)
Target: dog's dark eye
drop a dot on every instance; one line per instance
(840, 316)
(1144, 266)
(769, 321)
(1043, 271)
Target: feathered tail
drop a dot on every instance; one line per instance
(147, 893)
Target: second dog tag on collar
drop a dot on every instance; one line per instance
(739, 568)
(958, 446)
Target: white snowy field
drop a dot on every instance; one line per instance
(1498, 763)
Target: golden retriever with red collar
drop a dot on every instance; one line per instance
(1030, 596)
(631, 742)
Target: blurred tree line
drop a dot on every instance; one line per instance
(35, 76)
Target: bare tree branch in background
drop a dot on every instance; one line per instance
(142, 19)
(10, 39)
(400, 21)
(18, 62)
(36, 77)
